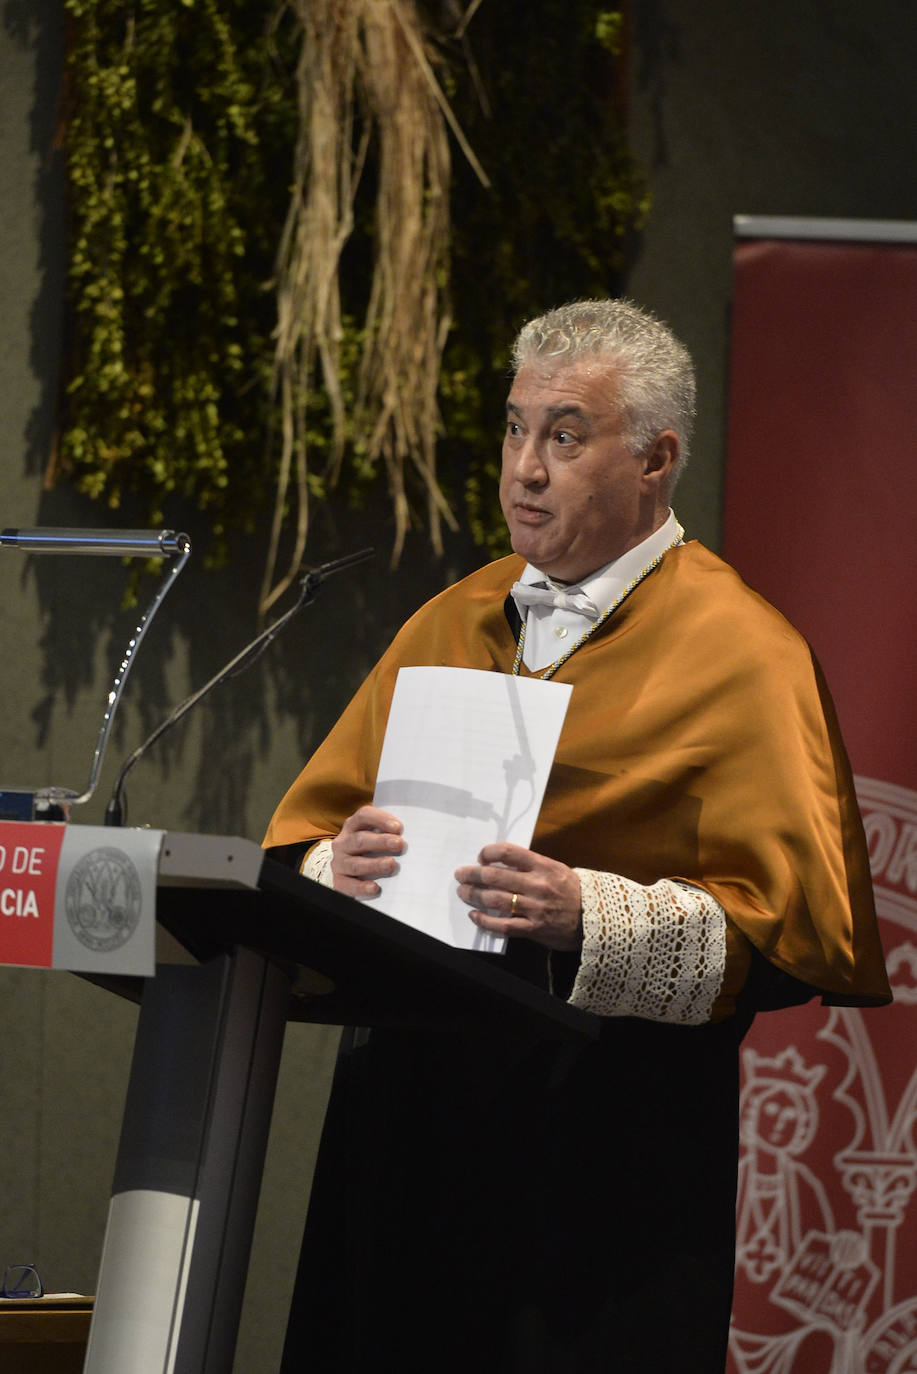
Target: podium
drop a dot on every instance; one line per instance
(255, 944)
(44, 1335)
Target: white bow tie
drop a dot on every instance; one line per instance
(526, 595)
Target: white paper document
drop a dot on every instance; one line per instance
(465, 762)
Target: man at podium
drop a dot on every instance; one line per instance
(485, 1203)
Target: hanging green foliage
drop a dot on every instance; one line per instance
(281, 216)
(178, 138)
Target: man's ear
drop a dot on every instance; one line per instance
(661, 460)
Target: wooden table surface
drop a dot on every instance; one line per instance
(50, 1335)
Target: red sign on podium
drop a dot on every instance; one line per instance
(79, 897)
(29, 859)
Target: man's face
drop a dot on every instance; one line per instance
(574, 497)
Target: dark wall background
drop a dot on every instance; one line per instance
(790, 108)
(795, 107)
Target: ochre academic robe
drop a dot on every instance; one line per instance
(491, 1205)
(700, 743)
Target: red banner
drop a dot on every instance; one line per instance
(821, 506)
(29, 856)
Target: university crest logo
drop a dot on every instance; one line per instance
(103, 899)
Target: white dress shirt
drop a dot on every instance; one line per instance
(551, 632)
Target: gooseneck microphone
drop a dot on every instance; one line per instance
(116, 811)
(55, 802)
(118, 543)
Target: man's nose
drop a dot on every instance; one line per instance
(529, 467)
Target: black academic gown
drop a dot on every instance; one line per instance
(490, 1204)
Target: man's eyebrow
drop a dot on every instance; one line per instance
(561, 412)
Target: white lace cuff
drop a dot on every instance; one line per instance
(655, 952)
(317, 864)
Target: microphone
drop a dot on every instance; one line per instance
(52, 802)
(116, 810)
(118, 543)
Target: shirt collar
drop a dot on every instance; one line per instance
(606, 583)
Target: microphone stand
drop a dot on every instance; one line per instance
(54, 803)
(116, 810)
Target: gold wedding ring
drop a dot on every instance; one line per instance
(512, 909)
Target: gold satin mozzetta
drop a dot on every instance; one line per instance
(700, 743)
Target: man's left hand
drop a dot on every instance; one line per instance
(548, 900)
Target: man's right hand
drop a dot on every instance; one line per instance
(365, 850)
